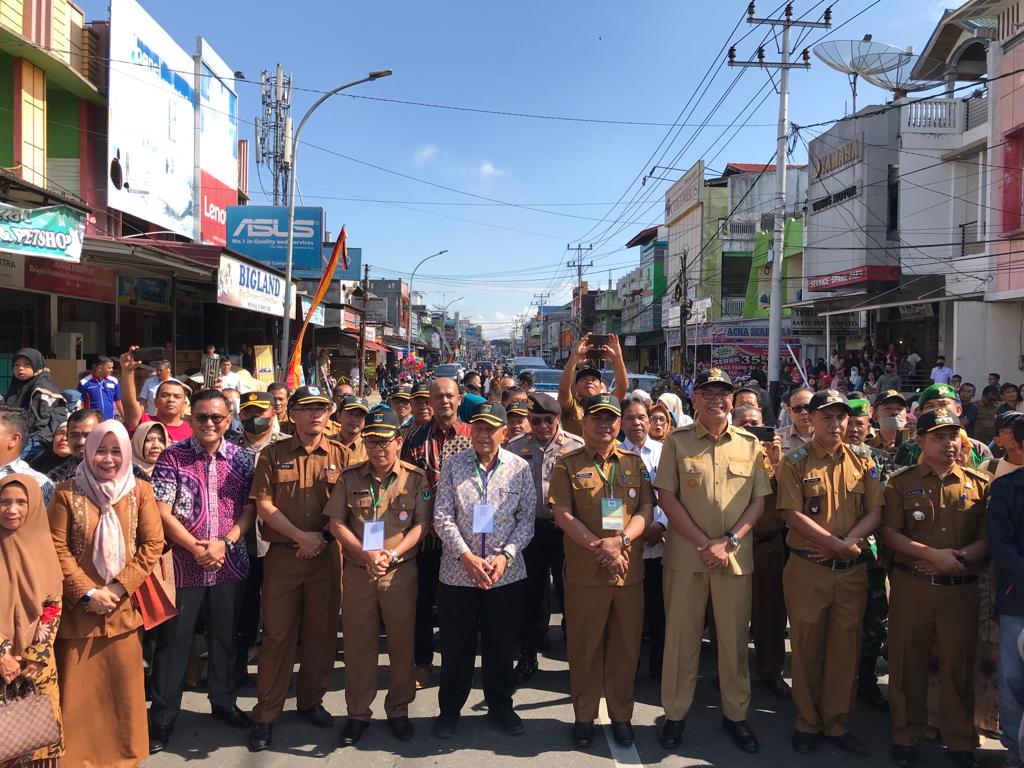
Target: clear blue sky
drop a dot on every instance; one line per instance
(636, 61)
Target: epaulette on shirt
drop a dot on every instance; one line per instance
(797, 454)
(978, 474)
(861, 450)
(899, 471)
(573, 452)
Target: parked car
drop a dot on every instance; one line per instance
(644, 381)
(546, 379)
(449, 370)
(520, 364)
(485, 366)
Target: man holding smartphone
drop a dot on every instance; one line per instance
(578, 386)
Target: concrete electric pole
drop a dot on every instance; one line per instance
(579, 266)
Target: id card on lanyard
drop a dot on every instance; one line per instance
(373, 530)
(613, 514)
(483, 512)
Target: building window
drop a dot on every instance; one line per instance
(892, 219)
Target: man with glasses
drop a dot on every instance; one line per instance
(799, 433)
(541, 447)
(293, 480)
(379, 510)
(518, 420)
(202, 487)
(712, 485)
(348, 423)
(422, 412)
(400, 403)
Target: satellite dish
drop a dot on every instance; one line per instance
(900, 80)
(859, 57)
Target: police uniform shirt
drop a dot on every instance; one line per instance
(791, 439)
(298, 481)
(541, 459)
(577, 484)
(403, 500)
(940, 512)
(715, 480)
(833, 490)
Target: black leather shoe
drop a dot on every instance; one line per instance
(260, 736)
(850, 743)
(352, 732)
(904, 757)
(964, 759)
(671, 735)
(507, 720)
(582, 735)
(526, 668)
(401, 727)
(872, 695)
(318, 716)
(622, 732)
(232, 716)
(445, 725)
(804, 743)
(159, 736)
(742, 736)
(777, 686)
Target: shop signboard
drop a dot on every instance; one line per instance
(150, 293)
(244, 286)
(261, 233)
(52, 232)
(66, 279)
(218, 144)
(12, 271)
(854, 276)
(264, 363)
(151, 122)
(377, 310)
(737, 358)
(318, 316)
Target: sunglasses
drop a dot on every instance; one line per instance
(549, 419)
(213, 418)
(799, 408)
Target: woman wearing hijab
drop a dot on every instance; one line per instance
(33, 390)
(60, 449)
(30, 601)
(108, 536)
(675, 410)
(148, 442)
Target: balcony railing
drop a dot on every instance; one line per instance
(732, 307)
(939, 115)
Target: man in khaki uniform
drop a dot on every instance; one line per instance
(293, 481)
(934, 523)
(602, 500)
(576, 387)
(348, 424)
(379, 510)
(711, 484)
(832, 501)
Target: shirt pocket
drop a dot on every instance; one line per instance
(629, 491)
(918, 513)
(691, 474)
(855, 494)
(738, 475)
(814, 493)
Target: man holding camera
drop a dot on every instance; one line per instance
(576, 387)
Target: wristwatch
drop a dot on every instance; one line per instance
(229, 543)
(88, 595)
(626, 541)
(394, 557)
(734, 540)
(506, 554)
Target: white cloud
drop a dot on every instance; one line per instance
(425, 153)
(488, 170)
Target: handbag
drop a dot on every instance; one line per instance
(155, 598)
(27, 722)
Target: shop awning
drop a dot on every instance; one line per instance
(920, 289)
(132, 255)
(373, 346)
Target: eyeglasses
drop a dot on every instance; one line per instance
(377, 445)
(715, 394)
(213, 418)
(537, 420)
(799, 408)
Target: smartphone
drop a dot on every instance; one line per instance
(597, 341)
(764, 434)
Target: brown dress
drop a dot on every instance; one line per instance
(99, 658)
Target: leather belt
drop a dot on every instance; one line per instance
(937, 581)
(832, 565)
(768, 536)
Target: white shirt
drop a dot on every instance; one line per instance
(148, 393)
(20, 467)
(941, 375)
(230, 381)
(650, 454)
(353, 375)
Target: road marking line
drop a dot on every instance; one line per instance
(620, 755)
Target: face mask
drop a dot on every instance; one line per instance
(892, 423)
(257, 425)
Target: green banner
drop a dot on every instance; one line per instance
(53, 232)
(759, 286)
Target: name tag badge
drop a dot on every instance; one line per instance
(809, 480)
(289, 465)
(613, 516)
(373, 535)
(483, 518)
(583, 475)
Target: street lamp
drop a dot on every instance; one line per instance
(286, 325)
(444, 320)
(408, 317)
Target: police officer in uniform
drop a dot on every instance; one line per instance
(934, 523)
(379, 510)
(352, 411)
(602, 499)
(293, 480)
(712, 484)
(831, 498)
(545, 554)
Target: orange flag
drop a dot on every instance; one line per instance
(340, 253)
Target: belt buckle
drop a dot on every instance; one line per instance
(840, 565)
(941, 581)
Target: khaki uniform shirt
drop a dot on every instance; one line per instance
(576, 484)
(791, 439)
(940, 512)
(356, 450)
(403, 500)
(715, 480)
(770, 523)
(541, 459)
(572, 416)
(298, 481)
(833, 490)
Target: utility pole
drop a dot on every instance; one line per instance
(579, 266)
(362, 331)
(538, 301)
(775, 307)
(273, 131)
(682, 297)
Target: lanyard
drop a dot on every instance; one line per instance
(486, 476)
(608, 481)
(375, 498)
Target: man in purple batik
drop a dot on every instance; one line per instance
(202, 489)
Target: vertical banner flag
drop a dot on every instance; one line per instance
(340, 252)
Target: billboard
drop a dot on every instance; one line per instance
(217, 162)
(261, 233)
(151, 122)
(144, 293)
(246, 287)
(53, 232)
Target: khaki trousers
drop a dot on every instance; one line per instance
(686, 599)
(604, 626)
(826, 616)
(363, 605)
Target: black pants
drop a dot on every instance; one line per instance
(495, 615)
(219, 606)
(249, 619)
(544, 556)
(428, 568)
(654, 613)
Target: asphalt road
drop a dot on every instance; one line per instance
(546, 708)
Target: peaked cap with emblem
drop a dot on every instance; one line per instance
(713, 376)
(890, 394)
(404, 392)
(489, 413)
(355, 403)
(937, 419)
(308, 396)
(518, 408)
(420, 390)
(602, 403)
(381, 423)
(258, 399)
(828, 397)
